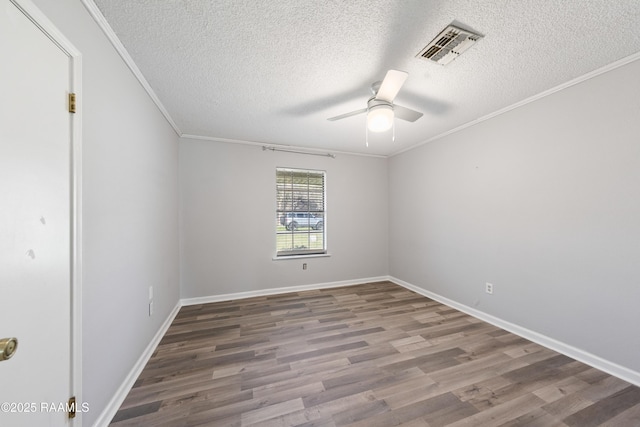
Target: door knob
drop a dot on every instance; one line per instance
(8, 347)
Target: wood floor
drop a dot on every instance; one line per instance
(369, 355)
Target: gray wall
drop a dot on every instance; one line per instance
(228, 215)
(130, 210)
(543, 202)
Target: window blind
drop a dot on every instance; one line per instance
(300, 212)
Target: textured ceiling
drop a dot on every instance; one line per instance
(274, 71)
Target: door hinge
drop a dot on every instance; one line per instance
(72, 102)
(71, 406)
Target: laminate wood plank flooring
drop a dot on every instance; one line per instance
(368, 355)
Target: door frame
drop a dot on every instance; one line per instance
(41, 21)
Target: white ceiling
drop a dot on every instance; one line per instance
(273, 71)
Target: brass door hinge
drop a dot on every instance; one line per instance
(72, 102)
(71, 406)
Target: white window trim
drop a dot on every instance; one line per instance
(286, 257)
(318, 254)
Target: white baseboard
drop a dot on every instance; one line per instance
(114, 404)
(597, 362)
(275, 291)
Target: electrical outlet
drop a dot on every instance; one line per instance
(488, 288)
(304, 266)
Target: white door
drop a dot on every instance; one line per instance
(35, 223)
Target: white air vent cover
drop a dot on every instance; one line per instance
(448, 45)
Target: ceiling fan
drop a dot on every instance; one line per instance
(380, 107)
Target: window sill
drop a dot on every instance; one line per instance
(286, 257)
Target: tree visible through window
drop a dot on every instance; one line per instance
(300, 213)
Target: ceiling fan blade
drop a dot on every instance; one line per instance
(391, 85)
(344, 116)
(405, 113)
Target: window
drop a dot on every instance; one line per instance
(300, 214)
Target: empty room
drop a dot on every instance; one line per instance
(320, 213)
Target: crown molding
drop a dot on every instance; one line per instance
(609, 67)
(99, 18)
(280, 146)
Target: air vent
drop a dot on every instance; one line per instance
(448, 45)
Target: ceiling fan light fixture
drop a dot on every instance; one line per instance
(380, 117)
